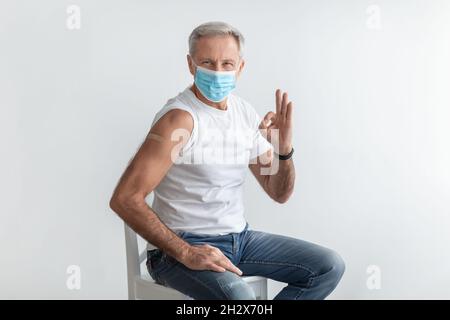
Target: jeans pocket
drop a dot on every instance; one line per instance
(154, 259)
(157, 262)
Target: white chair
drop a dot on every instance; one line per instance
(142, 286)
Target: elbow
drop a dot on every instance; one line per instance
(283, 198)
(115, 204)
(121, 203)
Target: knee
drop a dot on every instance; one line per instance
(242, 292)
(334, 265)
(236, 289)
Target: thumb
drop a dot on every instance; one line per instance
(267, 121)
(264, 124)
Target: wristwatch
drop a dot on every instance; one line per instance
(285, 156)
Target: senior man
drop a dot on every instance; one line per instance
(195, 157)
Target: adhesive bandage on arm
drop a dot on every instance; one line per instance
(155, 136)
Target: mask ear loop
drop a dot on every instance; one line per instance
(195, 65)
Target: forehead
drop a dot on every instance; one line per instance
(217, 48)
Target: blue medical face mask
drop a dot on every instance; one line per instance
(214, 85)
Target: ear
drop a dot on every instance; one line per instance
(240, 68)
(190, 64)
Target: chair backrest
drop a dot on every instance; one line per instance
(134, 259)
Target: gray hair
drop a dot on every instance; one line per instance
(215, 28)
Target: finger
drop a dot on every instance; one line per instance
(269, 118)
(234, 269)
(269, 131)
(284, 103)
(217, 268)
(266, 123)
(289, 111)
(227, 264)
(278, 100)
(266, 159)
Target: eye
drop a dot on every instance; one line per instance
(228, 65)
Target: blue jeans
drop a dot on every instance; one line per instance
(310, 271)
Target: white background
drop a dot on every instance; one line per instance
(371, 133)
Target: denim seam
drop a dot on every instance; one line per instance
(321, 275)
(311, 280)
(302, 290)
(281, 264)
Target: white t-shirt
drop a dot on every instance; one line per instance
(202, 191)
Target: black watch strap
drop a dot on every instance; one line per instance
(286, 156)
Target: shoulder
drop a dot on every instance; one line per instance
(176, 111)
(174, 120)
(175, 117)
(170, 119)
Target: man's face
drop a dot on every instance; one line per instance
(218, 53)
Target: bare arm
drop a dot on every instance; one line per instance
(145, 171)
(143, 174)
(279, 184)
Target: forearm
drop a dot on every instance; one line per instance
(281, 183)
(142, 219)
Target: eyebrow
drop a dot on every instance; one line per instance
(224, 60)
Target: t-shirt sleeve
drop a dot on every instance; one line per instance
(260, 144)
